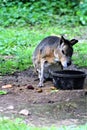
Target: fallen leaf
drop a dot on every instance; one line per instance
(2, 92)
(7, 86)
(39, 90)
(53, 88)
(53, 91)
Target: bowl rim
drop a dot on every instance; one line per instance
(80, 74)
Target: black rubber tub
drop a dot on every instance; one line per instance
(68, 79)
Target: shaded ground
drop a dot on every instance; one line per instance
(49, 107)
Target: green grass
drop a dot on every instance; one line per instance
(19, 125)
(17, 45)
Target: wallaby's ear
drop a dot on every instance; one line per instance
(62, 40)
(73, 41)
(62, 37)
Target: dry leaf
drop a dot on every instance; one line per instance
(7, 86)
(53, 88)
(39, 90)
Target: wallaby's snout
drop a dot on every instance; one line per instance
(69, 63)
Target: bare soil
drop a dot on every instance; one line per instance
(49, 107)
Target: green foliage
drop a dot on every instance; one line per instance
(18, 43)
(19, 125)
(22, 12)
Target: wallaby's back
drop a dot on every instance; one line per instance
(45, 48)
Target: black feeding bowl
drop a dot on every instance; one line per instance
(68, 79)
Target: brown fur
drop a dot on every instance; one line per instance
(49, 52)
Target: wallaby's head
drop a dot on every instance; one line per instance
(64, 51)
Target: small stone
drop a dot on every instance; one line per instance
(50, 101)
(24, 112)
(1, 109)
(18, 85)
(30, 87)
(7, 86)
(10, 107)
(21, 89)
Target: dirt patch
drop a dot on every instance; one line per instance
(49, 107)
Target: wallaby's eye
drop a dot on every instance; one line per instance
(63, 51)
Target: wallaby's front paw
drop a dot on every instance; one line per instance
(40, 84)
